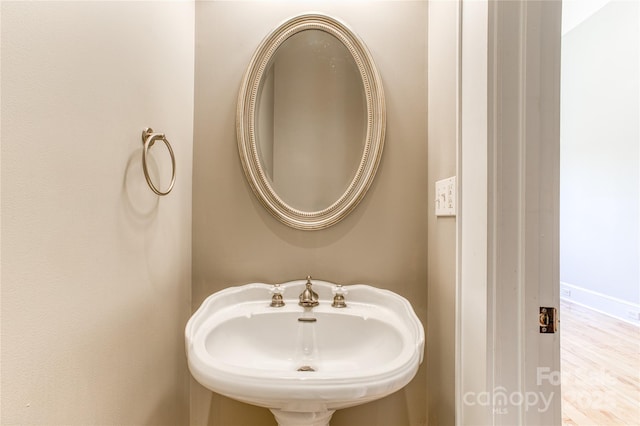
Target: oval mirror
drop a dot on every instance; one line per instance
(311, 121)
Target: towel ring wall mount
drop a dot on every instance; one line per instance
(149, 137)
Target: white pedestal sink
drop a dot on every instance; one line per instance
(304, 363)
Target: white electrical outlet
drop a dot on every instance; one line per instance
(446, 197)
(634, 315)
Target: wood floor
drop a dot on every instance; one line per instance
(600, 368)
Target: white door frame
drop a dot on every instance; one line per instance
(508, 225)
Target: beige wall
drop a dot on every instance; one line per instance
(95, 269)
(443, 75)
(96, 272)
(383, 242)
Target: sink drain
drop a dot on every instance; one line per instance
(306, 368)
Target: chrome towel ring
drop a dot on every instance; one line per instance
(148, 139)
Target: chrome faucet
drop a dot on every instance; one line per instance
(308, 298)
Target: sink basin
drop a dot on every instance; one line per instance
(304, 363)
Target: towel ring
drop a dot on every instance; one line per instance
(148, 139)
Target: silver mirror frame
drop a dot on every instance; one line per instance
(246, 126)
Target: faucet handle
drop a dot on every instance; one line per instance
(276, 296)
(338, 289)
(338, 296)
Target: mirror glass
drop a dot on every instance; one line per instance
(311, 121)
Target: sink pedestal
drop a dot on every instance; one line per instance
(292, 418)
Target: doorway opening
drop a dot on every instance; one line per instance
(600, 212)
